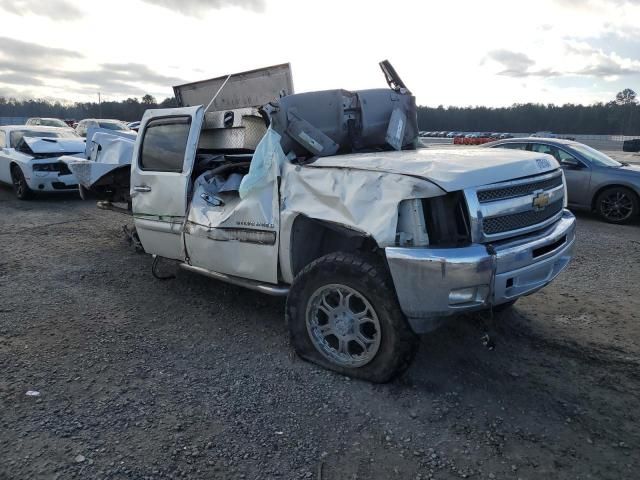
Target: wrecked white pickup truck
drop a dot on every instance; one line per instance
(371, 240)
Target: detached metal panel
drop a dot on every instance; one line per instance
(254, 88)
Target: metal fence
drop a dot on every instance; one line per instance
(13, 120)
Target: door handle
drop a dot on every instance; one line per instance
(141, 188)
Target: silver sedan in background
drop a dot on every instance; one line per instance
(595, 181)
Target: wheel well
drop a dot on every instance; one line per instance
(312, 239)
(606, 187)
(13, 165)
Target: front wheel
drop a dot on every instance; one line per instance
(20, 187)
(343, 315)
(617, 205)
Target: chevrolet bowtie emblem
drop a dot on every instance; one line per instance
(540, 201)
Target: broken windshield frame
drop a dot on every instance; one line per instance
(17, 135)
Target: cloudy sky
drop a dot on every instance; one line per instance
(495, 52)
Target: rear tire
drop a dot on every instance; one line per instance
(20, 187)
(343, 314)
(617, 205)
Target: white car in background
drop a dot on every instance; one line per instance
(108, 124)
(29, 159)
(47, 122)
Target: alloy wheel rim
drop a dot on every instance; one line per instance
(617, 206)
(343, 325)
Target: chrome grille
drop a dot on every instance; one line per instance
(507, 209)
(518, 190)
(517, 221)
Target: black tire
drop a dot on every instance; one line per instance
(369, 278)
(20, 187)
(617, 205)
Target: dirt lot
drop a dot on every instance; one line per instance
(191, 378)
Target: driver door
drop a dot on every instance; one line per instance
(576, 174)
(239, 236)
(578, 178)
(161, 167)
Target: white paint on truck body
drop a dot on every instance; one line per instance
(364, 200)
(451, 169)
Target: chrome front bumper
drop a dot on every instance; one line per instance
(432, 283)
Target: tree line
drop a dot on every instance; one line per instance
(621, 116)
(604, 119)
(128, 110)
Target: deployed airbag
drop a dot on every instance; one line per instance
(265, 164)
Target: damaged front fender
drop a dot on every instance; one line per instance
(105, 170)
(366, 201)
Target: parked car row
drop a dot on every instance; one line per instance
(547, 134)
(473, 140)
(30, 154)
(447, 134)
(82, 126)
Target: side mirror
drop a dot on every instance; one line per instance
(571, 163)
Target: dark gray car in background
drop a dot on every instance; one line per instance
(595, 181)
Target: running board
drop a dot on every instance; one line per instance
(269, 289)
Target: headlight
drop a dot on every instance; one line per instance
(412, 229)
(438, 221)
(565, 200)
(46, 167)
(447, 220)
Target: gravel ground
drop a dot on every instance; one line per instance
(191, 378)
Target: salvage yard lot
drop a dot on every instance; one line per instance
(141, 378)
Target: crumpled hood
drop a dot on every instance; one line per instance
(450, 168)
(55, 145)
(105, 147)
(110, 146)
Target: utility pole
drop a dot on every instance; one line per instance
(99, 106)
